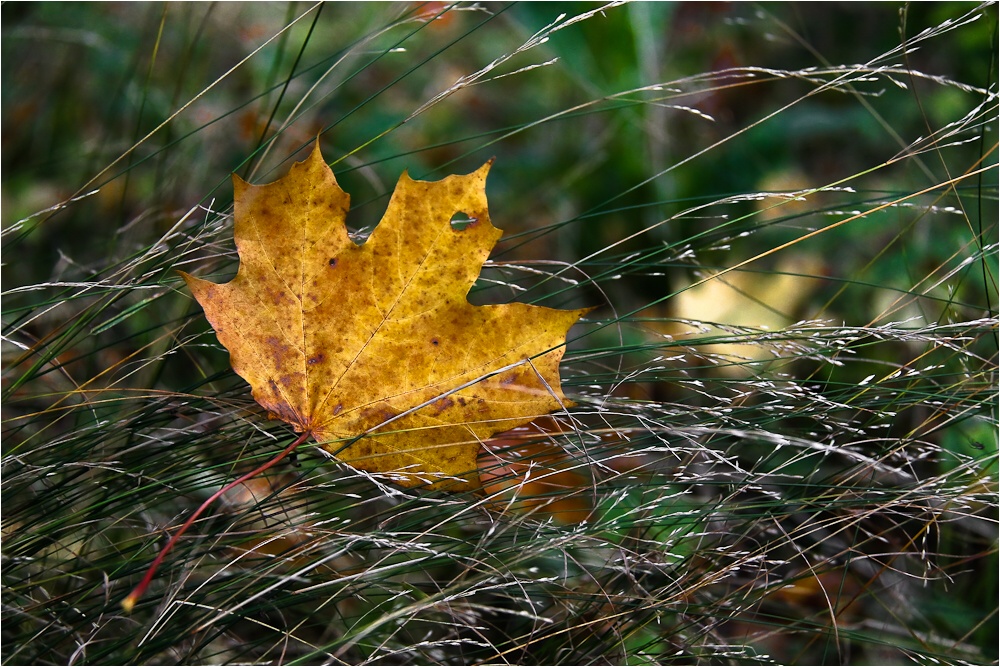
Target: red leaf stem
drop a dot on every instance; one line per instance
(137, 592)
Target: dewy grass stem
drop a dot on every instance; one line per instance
(137, 592)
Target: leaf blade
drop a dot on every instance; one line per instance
(377, 346)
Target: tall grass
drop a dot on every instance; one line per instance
(784, 447)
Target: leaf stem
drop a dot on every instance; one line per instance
(137, 592)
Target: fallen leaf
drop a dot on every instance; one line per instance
(374, 350)
(744, 300)
(525, 470)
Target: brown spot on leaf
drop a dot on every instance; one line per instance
(375, 415)
(442, 404)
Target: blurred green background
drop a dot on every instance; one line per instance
(579, 146)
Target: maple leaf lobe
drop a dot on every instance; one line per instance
(375, 349)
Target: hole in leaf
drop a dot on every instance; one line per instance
(460, 221)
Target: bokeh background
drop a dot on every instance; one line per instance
(836, 161)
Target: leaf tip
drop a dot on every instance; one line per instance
(191, 281)
(485, 169)
(316, 153)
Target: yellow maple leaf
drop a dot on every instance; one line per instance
(374, 349)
